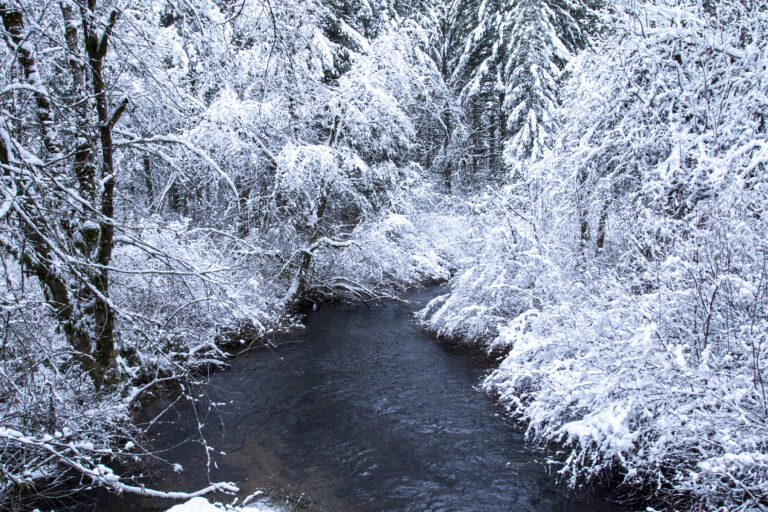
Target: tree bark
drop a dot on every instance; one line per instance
(103, 315)
(601, 225)
(306, 260)
(77, 288)
(13, 22)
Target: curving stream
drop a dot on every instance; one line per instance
(362, 412)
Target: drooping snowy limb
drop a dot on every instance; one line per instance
(359, 290)
(174, 261)
(227, 487)
(327, 242)
(156, 381)
(170, 139)
(82, 459)
(252, 249)
(128, 237)
(23, 87)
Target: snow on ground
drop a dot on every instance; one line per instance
(200, 504)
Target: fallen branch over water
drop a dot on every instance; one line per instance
(83, 458)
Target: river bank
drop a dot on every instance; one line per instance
(360, 411)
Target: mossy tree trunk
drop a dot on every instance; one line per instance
(68, 244)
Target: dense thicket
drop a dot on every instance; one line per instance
(177, 171)
(623, 283)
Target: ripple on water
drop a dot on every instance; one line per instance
(363, 412)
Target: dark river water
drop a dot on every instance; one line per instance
(361, 412)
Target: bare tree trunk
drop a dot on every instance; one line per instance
(302, 277)
(601, 224)
(148, 179)
(583, 211)
(447, 177)
(243, 214)
(103, 315)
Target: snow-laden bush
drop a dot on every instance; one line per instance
(420, 238)
(628, 285)
(502, 280)
(180, 293)
(49, 404)
(662, 384)
(665, 387)
(188, 289)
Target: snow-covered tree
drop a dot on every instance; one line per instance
(530, 74)
(629, 309)
(60, 177)
(504, 60)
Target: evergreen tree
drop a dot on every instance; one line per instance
(529, 56)
(503, 61)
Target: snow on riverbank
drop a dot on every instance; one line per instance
(203, 505)
(661, 386)
(225, 286)
(623, 286)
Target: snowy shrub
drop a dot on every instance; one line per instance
(638, 384)
(416, 241)
(180, 293)
(367, 117)
(503, 280)
(50, 408)
(190, 290)
(626, 283)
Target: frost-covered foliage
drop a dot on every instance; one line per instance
(177, 175)
(186, 288)
(421, 237)
(624, 282)
(180, 292)
(505, 278)
(316, 132)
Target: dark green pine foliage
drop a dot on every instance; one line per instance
(470, 69)
(539, 36)
(532, 54)
(503, 60)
